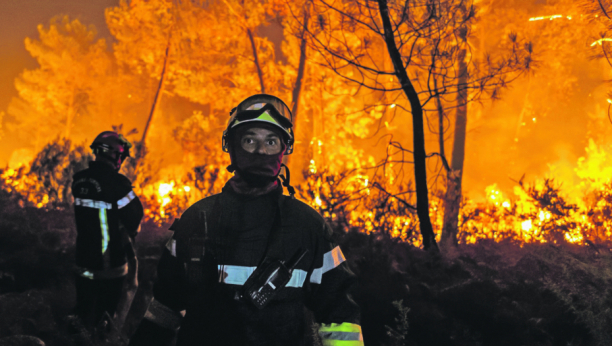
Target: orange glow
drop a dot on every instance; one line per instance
(343, 128)
(601, 41)
(556, 16)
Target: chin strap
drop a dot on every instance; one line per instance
(287, 181)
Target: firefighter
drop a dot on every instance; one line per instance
(108, 216)
(220, 275)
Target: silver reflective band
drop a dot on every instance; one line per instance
(238, 275)
(344, 336)
(331, 260)
(126, 200)
(163, 316)
(90, 203)
(171, 246)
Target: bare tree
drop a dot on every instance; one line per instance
(426, 42)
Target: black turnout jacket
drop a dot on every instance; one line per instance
(108, 215)
(238, 229)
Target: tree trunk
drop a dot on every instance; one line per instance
(420, 171)
(440, 125)
(452, 199)
(160, 88)
(256, 59)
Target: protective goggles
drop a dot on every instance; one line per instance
(262, 108)
(262, 112)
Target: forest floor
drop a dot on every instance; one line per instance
(482, 294)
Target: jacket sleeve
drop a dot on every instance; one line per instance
(329, 298)
(130, 209)
(164, 314)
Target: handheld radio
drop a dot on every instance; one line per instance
(269, 278)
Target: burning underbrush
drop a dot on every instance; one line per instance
(532, 268)
(352, 200)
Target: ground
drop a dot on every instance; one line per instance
(480, 294)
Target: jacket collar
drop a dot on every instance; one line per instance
(238, 186)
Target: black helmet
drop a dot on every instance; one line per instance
(110, 143)
(262, 108)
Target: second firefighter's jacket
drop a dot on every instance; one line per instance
(238, 228)
(107, 214)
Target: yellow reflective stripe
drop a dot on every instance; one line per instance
(340, 327)
(341, 334)
(163, 316)
(265, 116)
(342, 342)
(104, 228)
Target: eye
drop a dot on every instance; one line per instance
(272, 142)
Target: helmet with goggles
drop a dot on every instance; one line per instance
(112, 145)
(261, 108)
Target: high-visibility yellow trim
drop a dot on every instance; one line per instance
(266, 117)
(341, 334)
(342, 343)
(104, 228)
(340, 327)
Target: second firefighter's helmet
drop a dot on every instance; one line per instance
(262, 108)
(111, 144)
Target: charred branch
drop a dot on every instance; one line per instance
(429, 241)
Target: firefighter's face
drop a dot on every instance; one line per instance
(114, 159)
(260, 140)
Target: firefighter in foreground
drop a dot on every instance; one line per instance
(242, 264)
(108, 215)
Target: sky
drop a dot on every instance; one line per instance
(18, 20)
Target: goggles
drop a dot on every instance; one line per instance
(262, 108)
(262, 112)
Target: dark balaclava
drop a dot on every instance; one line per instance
(257, 170)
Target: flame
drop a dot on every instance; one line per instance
(526, 225)
(312, 168)
(601, 41)
(556, 16)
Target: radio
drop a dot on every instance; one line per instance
(269, 278)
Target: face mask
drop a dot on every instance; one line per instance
(256, 169)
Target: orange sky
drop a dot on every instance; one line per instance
(18, 20)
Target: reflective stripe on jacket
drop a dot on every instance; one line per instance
(238, 229)
(106, 211)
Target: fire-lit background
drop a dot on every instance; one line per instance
(537, 154)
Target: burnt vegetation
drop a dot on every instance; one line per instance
(504, 292)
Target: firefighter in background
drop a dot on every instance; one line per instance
(108, 215)
(242, 265)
